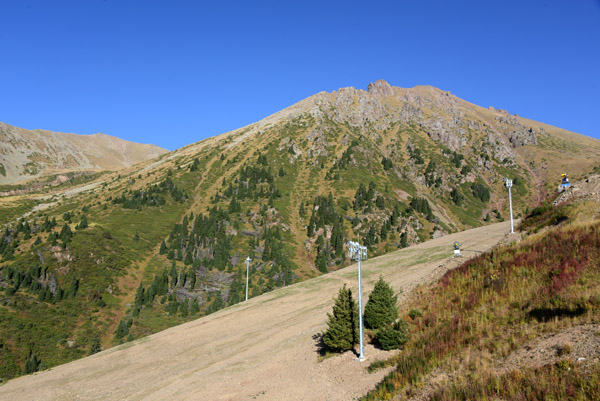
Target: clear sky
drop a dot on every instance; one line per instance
(175, 72)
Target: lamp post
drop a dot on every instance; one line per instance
(248, 260)
(358, 253)
(509, 185)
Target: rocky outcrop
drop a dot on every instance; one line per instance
(289, 145)
(522, 137)
(380, 88)
(318, 144)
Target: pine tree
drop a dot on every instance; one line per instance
(404, 239)
(139, 296)
(163, 247)
(342, 326)
(83, 223)
(96, 346)
(33, 363)
(122, 329)
(394, 336)
(73, 287)
(194, 308)
(381, 309)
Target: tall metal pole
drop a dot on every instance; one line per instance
(509, 185)
(247, 274)
(358, 252)
(361, 357)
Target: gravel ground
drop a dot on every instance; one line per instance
(263, 349)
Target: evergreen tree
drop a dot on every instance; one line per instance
(122, 329)
(96, 346)
(83, 223)
(456, 197)
(481, 191)
(188, 257)
(33, 363)
(322, 250)
(139, 296)
(163, 247)
(403, 239)
(65, 233)
(194, 308)
(381, 309)
(394, 336)
(342, 326)
(194, 166)
(73, 287)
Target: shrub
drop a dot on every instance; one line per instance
(394, 336)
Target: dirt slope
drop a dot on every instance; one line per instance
(263, 349)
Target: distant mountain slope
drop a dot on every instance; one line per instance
(26, 154)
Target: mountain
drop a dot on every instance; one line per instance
(129, 253)
(28, 154)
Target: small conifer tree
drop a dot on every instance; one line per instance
(381, 308)
(163, 247)
(96, 346)
(342, 326)
(394, 336)
(83, 223)
(32, 364)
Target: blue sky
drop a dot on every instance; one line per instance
(175, 72)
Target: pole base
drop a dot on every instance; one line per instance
(361, 359)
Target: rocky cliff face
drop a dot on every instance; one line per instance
(26, 154)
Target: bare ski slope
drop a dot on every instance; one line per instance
(264, 349)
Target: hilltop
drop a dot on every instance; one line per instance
(28, 154)
(125, 254)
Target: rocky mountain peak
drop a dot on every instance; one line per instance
(380, 87)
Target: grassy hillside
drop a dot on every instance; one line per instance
(131, 253)
(467, 328)
(37, 154)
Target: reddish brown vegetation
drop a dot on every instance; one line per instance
(483, 303)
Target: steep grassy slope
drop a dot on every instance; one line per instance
(164, 241)
(512, 323)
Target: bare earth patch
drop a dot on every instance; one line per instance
(581, 344)
(264, 349)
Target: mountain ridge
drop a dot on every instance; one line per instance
(28, 154)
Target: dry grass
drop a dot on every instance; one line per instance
(488, 307)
